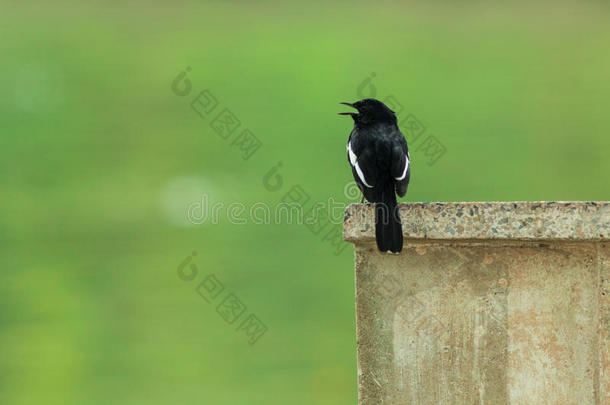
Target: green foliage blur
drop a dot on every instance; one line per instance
(100, 159)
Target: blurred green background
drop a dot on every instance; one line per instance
(100, 159)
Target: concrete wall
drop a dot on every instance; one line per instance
(489, 303)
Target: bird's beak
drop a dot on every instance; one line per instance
(348, 113)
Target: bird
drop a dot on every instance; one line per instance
(379, 157)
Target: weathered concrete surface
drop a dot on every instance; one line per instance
(489, 303)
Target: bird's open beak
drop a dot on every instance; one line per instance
(348, 113)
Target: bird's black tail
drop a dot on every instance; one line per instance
(388, 229)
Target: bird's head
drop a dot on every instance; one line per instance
(370, 111)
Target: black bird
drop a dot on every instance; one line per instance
(379, 156)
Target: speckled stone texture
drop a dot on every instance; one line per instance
(491, 220)
(489, 303)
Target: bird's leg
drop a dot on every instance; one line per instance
(363, 201)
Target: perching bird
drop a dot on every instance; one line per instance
(379, 156)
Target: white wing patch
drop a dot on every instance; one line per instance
(353, 159)
(404, 172)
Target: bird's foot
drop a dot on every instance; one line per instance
(365, 202)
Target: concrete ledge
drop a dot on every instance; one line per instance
(488, 220)
(488, 303)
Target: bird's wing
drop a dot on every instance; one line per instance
(401, 165)
(362, 160)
